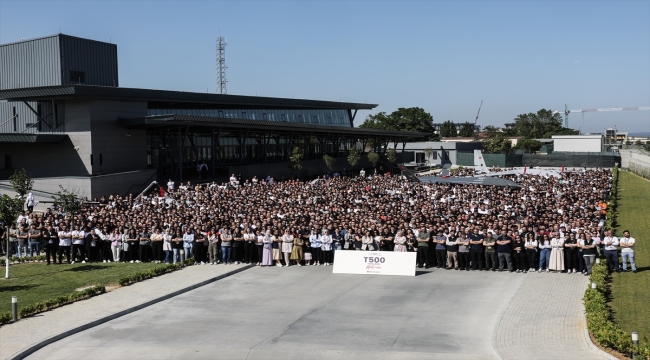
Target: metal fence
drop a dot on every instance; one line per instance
(572, 160)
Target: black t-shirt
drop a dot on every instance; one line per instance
(504, 248)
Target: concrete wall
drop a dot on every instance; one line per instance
(77, 126)
(121, 149)
(43, 159)
(636, 161)
(578, 143)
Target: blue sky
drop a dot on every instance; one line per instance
(443, 56)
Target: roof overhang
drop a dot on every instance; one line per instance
(175, 121)
(31, 138)
(167, 96)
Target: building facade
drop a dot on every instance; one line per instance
(67, 122)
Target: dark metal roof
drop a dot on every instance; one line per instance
(120, 93)
(31, 138)
(150, 122)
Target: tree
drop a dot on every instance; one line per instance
(403, 119)
(499, 144)
(354, 157)
(448, 129)
(9, 210)
(329, 162)
(373, 157)
(295, 158)
(528, 145)
(467, 130)
(21, 182)
(70, 201)
(391, 155)
(489, 131)
(541, 125)
(428, 152)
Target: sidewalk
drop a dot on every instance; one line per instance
(546, 320)
(58, 323)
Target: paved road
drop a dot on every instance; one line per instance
(292, 313)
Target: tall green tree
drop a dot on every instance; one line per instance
(9, 210)
(295, 158)
(403, 119)
(373, 157)
(528, 145)
(70, 201)
(21, 182)
(540, 125)
(499, 144)
(467, 130)
(448, 129)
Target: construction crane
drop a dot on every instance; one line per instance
(567, 111)
(479, 111)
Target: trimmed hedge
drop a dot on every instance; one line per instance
(50, 304)
(610, 221)
(144, 275)
(599, 318)
(24, 259)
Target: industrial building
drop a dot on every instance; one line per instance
(64, 118)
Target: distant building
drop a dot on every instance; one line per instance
(443, 151)
(459, 127)
(578, 143)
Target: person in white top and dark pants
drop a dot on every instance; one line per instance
(611, 253)
(627, 250)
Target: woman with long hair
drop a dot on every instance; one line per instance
(400, 242)
(226, 246)
(544, 253)
(237, 246)
(531, 251)
(326, 247)
(287, 246)
(315, 241)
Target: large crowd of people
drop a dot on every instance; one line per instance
(547, 224)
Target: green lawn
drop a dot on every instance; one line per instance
(630, 292)
(36, 282)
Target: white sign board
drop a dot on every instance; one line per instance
(374, 262)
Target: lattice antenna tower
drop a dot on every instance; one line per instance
(221, 65)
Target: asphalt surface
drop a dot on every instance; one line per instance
(308, 312)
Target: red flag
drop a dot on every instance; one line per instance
(524, 169)
(162, 191)
(562, 167)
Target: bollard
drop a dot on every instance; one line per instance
(597, 260)
(593, 285)
(182, 252)
(635, 341)
(14, 308)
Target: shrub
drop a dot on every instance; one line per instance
(5, 318)
(157, 271)
(54, 303)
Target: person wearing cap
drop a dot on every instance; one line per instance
(627, 251)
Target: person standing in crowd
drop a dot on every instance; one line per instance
(476, 249)
(531, 251)
(571, 253)
(504, 249)
(588, 245)
(366, 241)
(557, 253)
(116, 244)
(440, 242)
(259, 246)
(30, 202)
(544, 253)
(316, 243)
(326, 248)
(93, 242)
(65, 242)
(167, 245)
(463, 250)
(78, 246)
(50, 243)
(249, 246)
(297, 251)
(23, 240)
(452, 253)
(519, 253)
(627, 251)
(157, 245)
(144, 246)
(287, 247)
(423, 249)
(188, 243)
(132, 240)
(226, 246)
(400, 242)
(170, 186)
(237, 246)
(177, 246)
(34, 237)
(267, 252)
(611, 253)
(489, 244)
(213, 247)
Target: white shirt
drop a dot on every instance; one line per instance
(627, 241)
(613, 240)
(65, 238)
(77, 233)
(170, 185)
